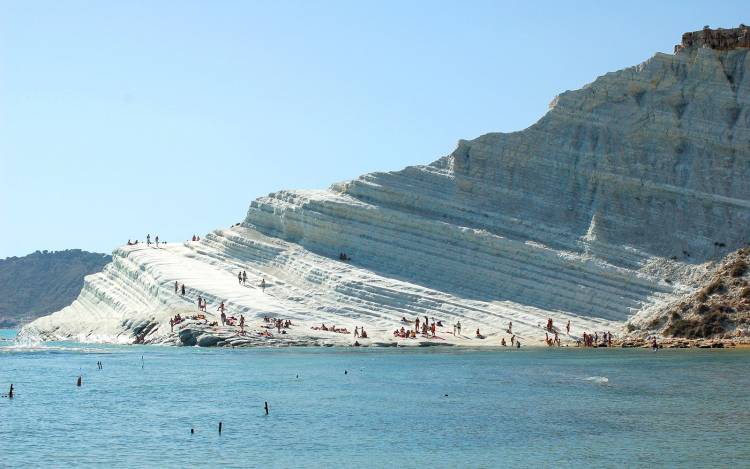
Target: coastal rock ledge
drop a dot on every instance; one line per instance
(617, 202)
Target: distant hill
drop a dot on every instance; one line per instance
(43, 282)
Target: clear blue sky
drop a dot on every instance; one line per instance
(169, 117)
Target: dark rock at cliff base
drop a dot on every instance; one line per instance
(187, 337)
(208, 340)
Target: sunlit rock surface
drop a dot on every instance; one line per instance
(613, 203)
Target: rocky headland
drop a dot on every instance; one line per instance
(608, 212)
(43, 282)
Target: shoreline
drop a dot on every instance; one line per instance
(194, 334)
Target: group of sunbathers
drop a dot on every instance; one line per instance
(279, 324)
(342, 330)
(425, 328)
(175, 320)
(552, 341)
(592, 340)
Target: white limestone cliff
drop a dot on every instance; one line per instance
(614, 202)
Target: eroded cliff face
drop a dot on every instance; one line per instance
(617, 201)
(648, 164)
(653, 157)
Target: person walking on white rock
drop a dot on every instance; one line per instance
(176, 287)
(239, 278)
(510, 327)
(458, 327)
(148, 239)
(223, 315)
(263, 284)
(244, 277)
(157, 241)
(567, 327)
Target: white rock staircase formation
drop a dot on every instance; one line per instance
(615, 201)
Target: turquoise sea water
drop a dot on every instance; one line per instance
(393, 408)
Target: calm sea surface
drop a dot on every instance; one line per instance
(393, 408)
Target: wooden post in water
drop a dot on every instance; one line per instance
(220, 424)
(266, 406)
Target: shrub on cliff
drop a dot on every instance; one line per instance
(706, 326)
(738, 268)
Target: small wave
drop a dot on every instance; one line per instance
(26, 346)
(597, 379)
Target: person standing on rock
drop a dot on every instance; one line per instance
(263, 284)
(239, 278)
(176, 287)
(157, 241)
(242, 323)
(182, 289)
(356, 331)
(148, 239)
(567, 327)
(510, 327)
(244, 277)
(223, 316)
(458, 327)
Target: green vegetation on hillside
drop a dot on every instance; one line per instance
(43, 282)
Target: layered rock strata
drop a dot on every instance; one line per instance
(614, 203)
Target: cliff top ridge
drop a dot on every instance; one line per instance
(719, 39)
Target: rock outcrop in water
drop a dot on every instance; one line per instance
(613, 204)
